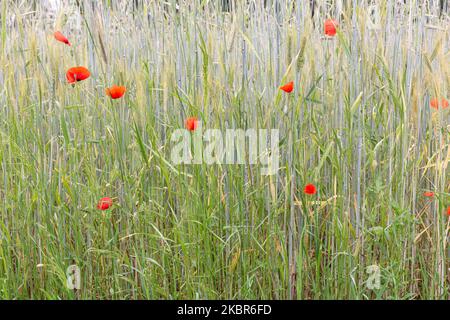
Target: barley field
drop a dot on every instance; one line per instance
(358, 208)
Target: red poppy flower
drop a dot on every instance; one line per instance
(104, 203)
(330, 26)
(428, 194)
(448, 211)
(310, 189)
(191, 123)
(116, 92)
(77, 74)
(60, 37)
(434, 103)
(288, 87)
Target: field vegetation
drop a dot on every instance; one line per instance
(360, 125)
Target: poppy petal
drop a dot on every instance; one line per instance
(60, 37)
(77, 74)
(434, 103)
(288, 87)
(191, 123)
(104, 203)
(330, 26)
(310, 189)
(115, 92)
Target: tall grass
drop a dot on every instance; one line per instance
(358, 125)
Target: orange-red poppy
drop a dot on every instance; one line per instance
(77, 74)
(448, 211)
(428, 194)
(191, 123)
(60, 37)
(288, 87)
(330, 26)
(104, 203)
(310, 189)
(116, 92)
(434, 103)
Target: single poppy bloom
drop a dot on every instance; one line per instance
(310, 189)
(330, 26)
(77, 74)
(191, 123)
(104, 203)
(434, 103)
(448, 211)
(428, 194)
(60, 37)
(116, 92)
(288, 87)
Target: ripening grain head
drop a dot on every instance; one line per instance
(91, 92)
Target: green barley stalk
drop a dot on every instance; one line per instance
(358, 125)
